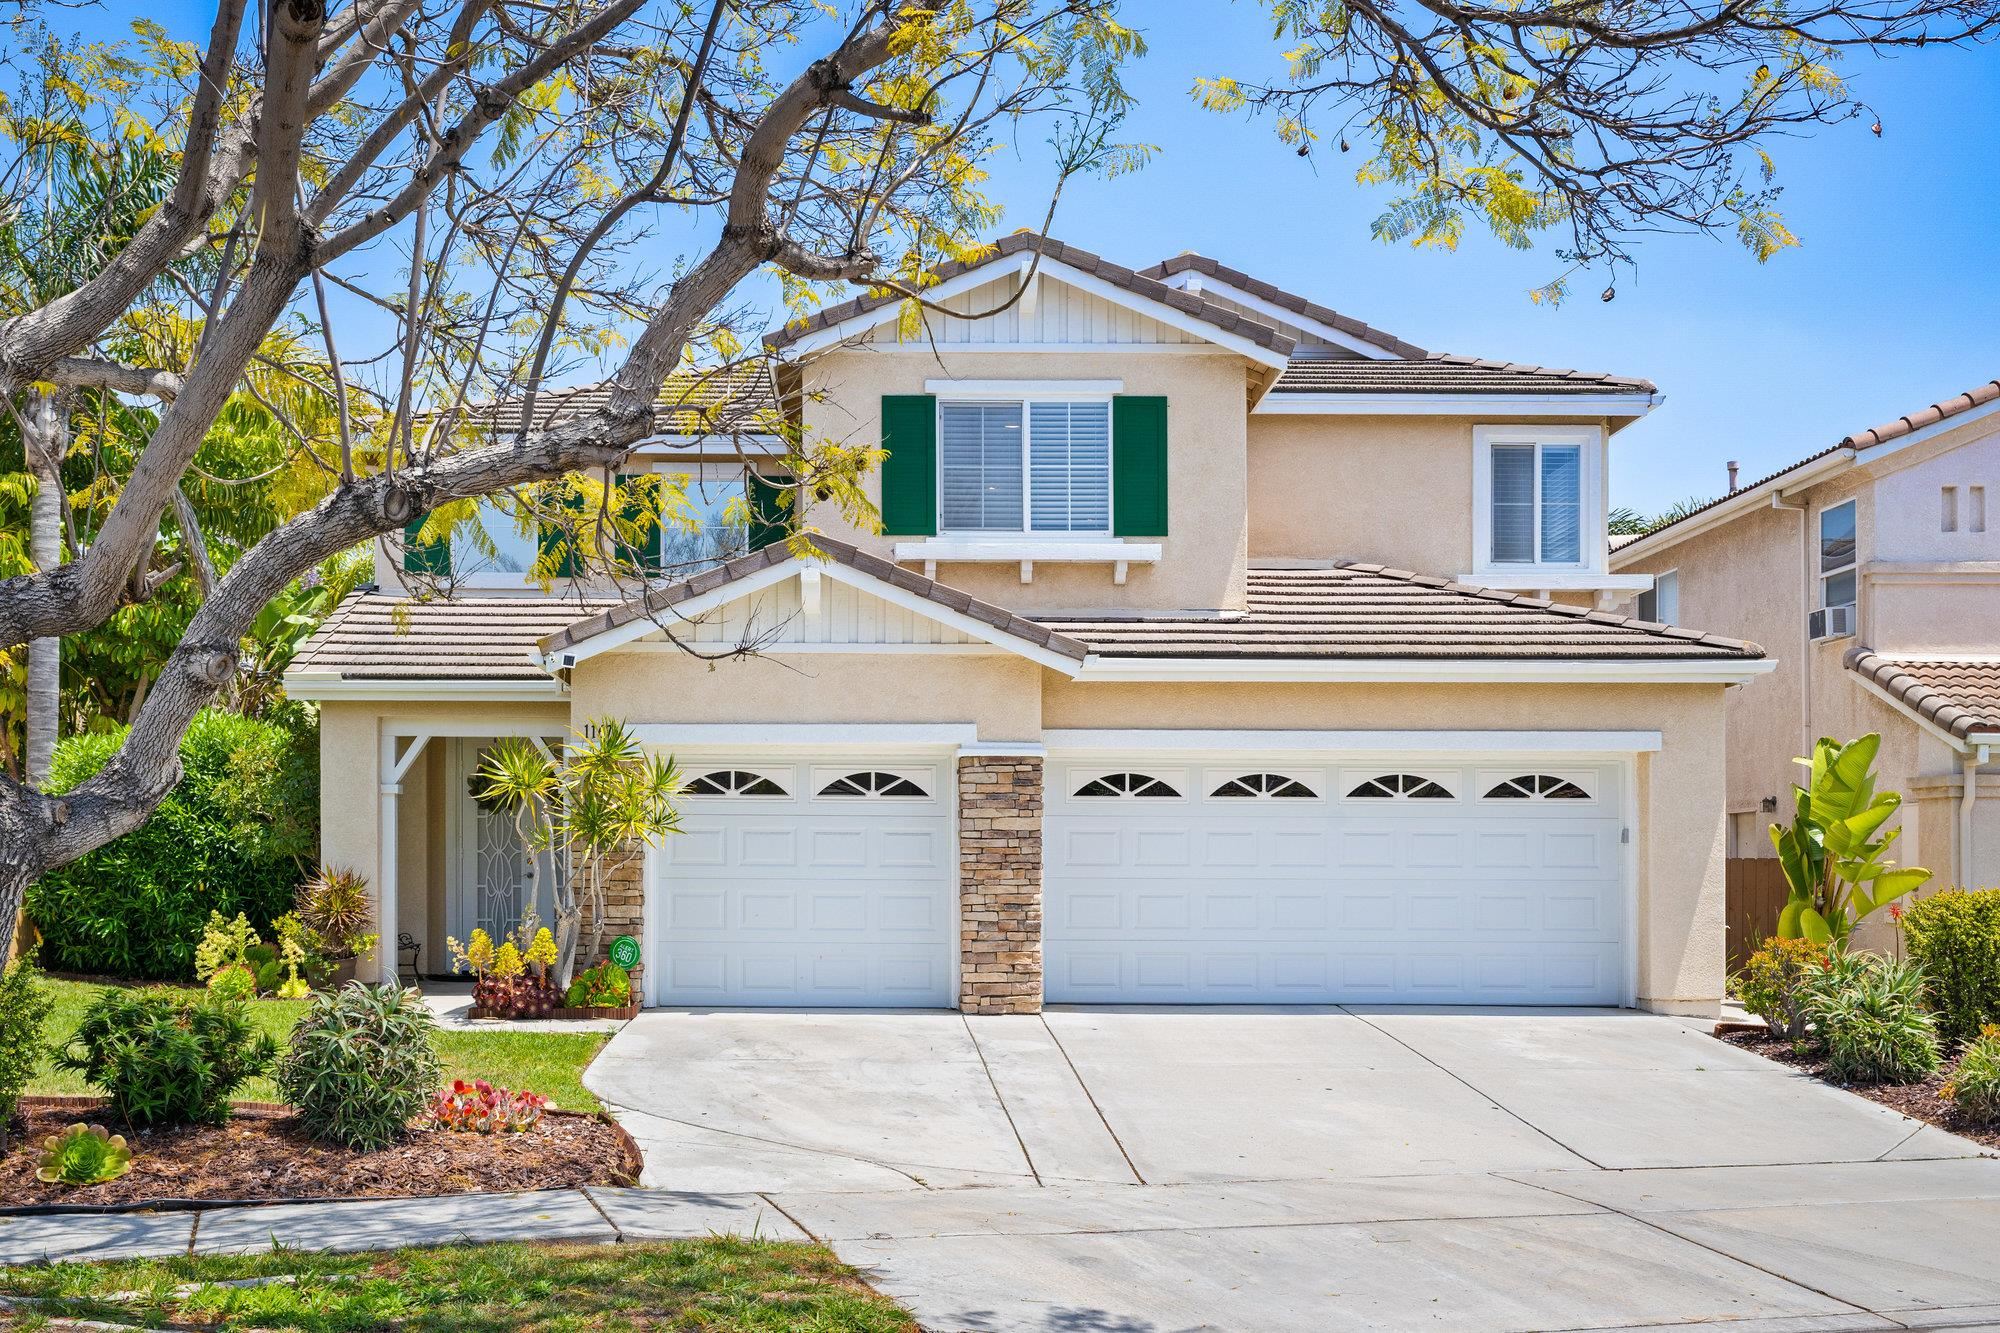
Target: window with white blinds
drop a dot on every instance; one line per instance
(1536, 503)
(1024, 466)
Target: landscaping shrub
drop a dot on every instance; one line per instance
(605, 986)
(1869, 1013)
(232, 836)
(1955, 934)
(165, 1058)
(24, 1005)
(361, 1064)
(1975, 1085)
(1772, 983)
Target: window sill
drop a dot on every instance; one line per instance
(1113, 551)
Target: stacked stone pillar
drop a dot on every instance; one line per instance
(1000, 884)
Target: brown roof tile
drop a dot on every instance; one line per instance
(382, 636)
(1209, 312)
(722, 400)
(1441, 373)
(1278, 296)
(1368, 611)
(1961, 697)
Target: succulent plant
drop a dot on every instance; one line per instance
(83, 1155)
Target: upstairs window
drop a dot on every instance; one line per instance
(1661, 603)
(1009, 466)
(1836, 555)
(1536, 488)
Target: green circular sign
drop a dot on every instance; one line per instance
(625, 952)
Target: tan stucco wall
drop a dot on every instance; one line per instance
(1680, 838)
(1206, 549)
(999, 693)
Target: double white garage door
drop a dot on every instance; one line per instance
(830, 880)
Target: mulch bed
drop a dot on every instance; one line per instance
(261, 1154)
(1920, 1101)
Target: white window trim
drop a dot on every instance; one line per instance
(1853, 566)
(1026, 394)
(1590, 510)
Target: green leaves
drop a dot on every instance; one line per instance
(1834, 863)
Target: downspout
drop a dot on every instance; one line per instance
(1967, 800)
(1804, 511)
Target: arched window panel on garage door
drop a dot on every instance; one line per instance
(1255, 786)
(1537, 787)
(1399, 787)
(1143, 786)
(872, 782)
(733, 782)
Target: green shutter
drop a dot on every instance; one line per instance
(552, 541)
(422, 557)
(909, 473)
(645, 552)
(1138, 466)
(770, 516)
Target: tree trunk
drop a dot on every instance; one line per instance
(45, 441)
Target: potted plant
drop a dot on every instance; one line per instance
(336, 912)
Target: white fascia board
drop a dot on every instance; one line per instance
(1753, 497)
(835, 334)
(1456, 404)
(735, 736)
(1026, 388)
(1400, 742)
(325, 685)
(1408, 671)
(1198, 284)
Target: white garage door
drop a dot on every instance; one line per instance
(817, 880)
(1265, 880)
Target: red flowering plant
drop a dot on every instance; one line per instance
(480, 1108)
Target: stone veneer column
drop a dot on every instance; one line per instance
(624, 914)
(1000, 884)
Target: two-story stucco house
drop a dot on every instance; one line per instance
(1870, 571)
(1216, 647)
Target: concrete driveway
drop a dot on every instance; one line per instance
(1133, 1170)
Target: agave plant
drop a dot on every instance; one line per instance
(83, 1155)
(1834, 863)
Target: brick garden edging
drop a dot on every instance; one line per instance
(1000, 884)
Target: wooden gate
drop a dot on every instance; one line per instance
(1756, 894)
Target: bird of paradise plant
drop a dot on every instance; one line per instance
(1833, 861)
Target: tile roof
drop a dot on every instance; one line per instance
(1442, 373)
(1209, 312)
(1368, 611)
(722, 400)
(386, 636)
(1961, 697)
(1956, 405)
(1284, 300)
(663, 599)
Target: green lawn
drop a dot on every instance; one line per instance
(550, 1063)
(723, 1284)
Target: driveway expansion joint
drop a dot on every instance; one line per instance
(999, 1097)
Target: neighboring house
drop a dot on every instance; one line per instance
(1870, 570)
(1167, 680)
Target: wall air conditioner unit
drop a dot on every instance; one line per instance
(1832, 622)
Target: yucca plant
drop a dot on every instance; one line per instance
(1833, 862)
(361, 1064)
(1869, 1012)
(83, 1155)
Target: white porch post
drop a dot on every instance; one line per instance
(385, 874)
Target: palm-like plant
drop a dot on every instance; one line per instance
(595, 808)
(1834, 863)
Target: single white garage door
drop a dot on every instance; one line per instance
(1267, 880)
(816, 880)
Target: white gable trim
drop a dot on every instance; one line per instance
(637, 629)
(856, 325)
(1195, 284)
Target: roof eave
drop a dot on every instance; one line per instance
(1688, 671)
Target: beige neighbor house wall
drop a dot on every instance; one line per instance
(1391, 490)
(1206, 549)
(1679, 839)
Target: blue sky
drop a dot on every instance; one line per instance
(1893, 301)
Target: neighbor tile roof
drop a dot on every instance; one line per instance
(1284, 300)
(1961, 697)
(723, 400)
(384, 636)
(1956, 405)
(1209, 312)
(1442, 373)
(1368, 611)
(663, 599)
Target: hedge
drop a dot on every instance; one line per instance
(236, 834)
(1955, 934)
